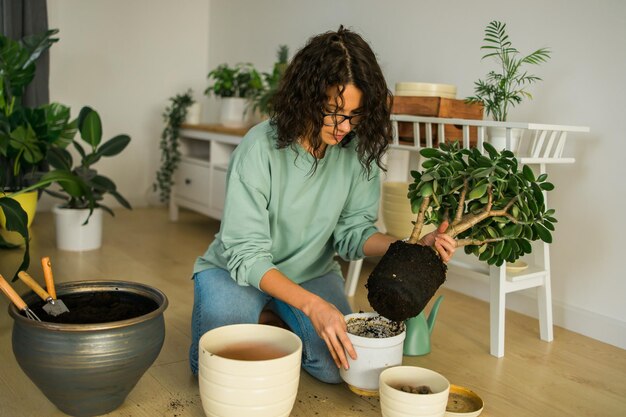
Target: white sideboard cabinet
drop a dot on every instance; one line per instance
(200, 180)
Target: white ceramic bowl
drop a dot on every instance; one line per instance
(397, 403)
(373, 356)
(249, 370)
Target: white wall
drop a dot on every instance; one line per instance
(126, 57)
(583, 84)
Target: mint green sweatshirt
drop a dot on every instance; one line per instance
(278, 214)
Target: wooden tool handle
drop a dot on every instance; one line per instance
(48, 277)
(11, 294)
(32, 284)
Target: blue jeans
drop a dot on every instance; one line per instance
(219, 301)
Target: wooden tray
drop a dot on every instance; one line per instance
(436, 107)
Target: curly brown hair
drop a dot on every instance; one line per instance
(328, 60)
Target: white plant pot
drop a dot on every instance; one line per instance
(497, 137)
(396, 403)
(193, 114)
(373, 356)
(72, 235)
(249, 370)
(233, 112)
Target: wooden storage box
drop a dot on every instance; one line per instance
(436, 107)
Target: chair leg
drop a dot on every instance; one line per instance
(497, 303)
(352, 279)
(544, 304)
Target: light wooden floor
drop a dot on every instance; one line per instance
(572, 376)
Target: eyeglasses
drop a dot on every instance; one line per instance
(335, 119)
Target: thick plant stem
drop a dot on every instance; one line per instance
(419, 222)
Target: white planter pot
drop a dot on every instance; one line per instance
(193, 114)
(249, 370)
(497, 137)
(373, 356)
(397, 403)
(72, 235)
(233, 112)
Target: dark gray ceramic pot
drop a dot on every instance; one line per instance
(89, 369)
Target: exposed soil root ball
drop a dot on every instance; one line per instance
(404, 280)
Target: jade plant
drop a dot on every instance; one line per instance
(494, 207)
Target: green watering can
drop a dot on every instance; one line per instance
(418, 330)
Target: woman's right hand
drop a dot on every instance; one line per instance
(330, 325)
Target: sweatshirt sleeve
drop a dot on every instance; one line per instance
(356, 222)
(245, 231)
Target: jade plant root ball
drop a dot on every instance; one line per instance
(404, 280)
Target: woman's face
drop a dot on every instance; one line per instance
(347, 104)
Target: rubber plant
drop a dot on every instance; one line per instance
(495, 209)
(174, 116)
(506, 87)
(80, 184)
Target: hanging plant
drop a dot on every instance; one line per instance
(174, 116)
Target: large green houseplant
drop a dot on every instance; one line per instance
(494, 207)
(26, 134)
(81, 186)
(507, 85)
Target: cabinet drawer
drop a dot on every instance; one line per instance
(192, 182)
(218, 189)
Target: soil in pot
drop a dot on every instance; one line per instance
(99, 307)
(404, 280)
(374, 327)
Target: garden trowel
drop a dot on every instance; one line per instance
(53, 306)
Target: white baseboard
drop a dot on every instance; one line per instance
(588, 323)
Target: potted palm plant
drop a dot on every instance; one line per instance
(494, 209)
(507, 86)
(236, 86)
(82, 189)
(26, 134)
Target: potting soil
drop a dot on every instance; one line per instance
(98, 307)
(404, 280)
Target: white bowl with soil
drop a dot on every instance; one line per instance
(411, 391)
(249, 370)
(378, 344)
(86, 361)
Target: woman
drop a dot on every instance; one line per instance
(301, 188)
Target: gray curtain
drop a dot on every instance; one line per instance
(19, 18)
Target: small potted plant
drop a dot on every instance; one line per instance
(494, 209)
(263, 99)
(174, 116)
(507, 86)
(236, 86)
(82, 188)
(26, 133)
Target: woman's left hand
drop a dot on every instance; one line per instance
(444, 244)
